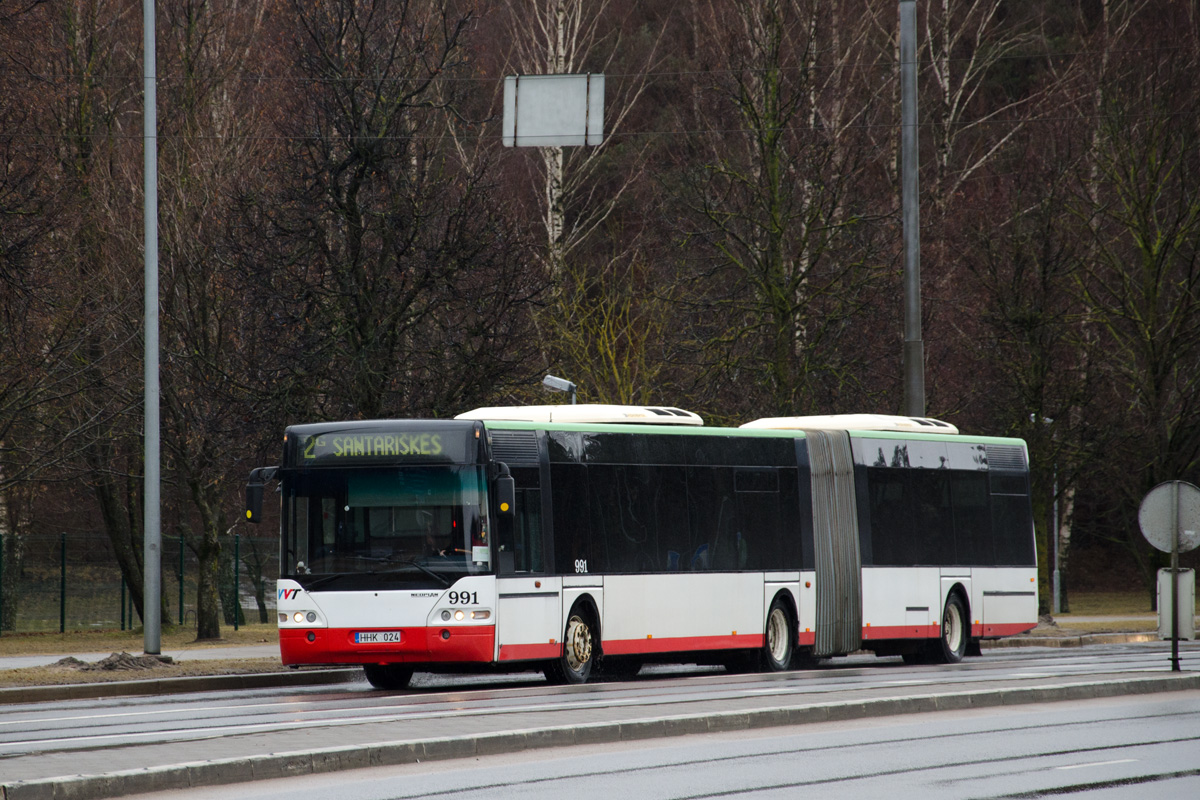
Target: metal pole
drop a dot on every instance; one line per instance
(62, 585)
(152, 551)
(237, 577)
(122, 602)
(3, 544)
(914, 347)
(1175, 577)
(1056, 586)
(181, 579)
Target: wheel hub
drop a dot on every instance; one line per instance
(579, 643)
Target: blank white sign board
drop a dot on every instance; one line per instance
(553, 110)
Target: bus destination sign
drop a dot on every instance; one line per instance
(439, 446)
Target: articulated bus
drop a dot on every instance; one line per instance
(585, 539)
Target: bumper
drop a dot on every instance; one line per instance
(436, 645)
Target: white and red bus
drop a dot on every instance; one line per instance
(578, 539)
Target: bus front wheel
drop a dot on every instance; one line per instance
(574, 666)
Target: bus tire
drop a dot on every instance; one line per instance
(952, 643)
(579, 651)
(388, 676)
(779, 643)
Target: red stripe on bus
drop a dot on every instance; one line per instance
(682, 644)
(1006, 629)
(529, 652)
(418, 645)
(901, 632)
(934, 631)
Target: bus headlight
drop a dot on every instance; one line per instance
(463, 615)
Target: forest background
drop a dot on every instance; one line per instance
(342, 235)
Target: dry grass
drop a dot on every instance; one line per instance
(1131, 603)
(26, 644)
(60, 675)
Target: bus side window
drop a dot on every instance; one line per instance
(520, 536)
(528, 524)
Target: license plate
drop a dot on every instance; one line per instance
(376, 637)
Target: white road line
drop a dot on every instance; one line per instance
(1099, 763)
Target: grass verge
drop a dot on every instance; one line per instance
(173, 638)
(61, 675)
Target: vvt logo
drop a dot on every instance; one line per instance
(289, 594)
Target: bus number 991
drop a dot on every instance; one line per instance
(463, 598)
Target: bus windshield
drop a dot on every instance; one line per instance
(374, 528)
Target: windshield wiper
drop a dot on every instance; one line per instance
(324, 579)
(412, 562)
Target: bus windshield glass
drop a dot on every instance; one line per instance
(370, 528)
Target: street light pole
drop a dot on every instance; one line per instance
(914, 346)
(152, 546)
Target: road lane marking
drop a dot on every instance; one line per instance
(1099, 763)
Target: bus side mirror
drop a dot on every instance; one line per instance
(254, 492)
(506, 494)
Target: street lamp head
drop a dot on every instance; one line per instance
(556, 384)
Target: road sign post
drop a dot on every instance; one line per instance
(1170, 520)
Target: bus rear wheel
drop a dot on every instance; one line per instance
(779, 644)
(951, 646)
(575, 664)
(388, 676)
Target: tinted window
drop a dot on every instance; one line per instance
(890, 517)
(624, 448)
(572, 529)
(972, 519)
(734, 451)
(932, 540)
(638, 511)
(712, 510)
(1012, 527)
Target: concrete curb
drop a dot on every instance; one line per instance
(1070, 641)
(310, 762)
(201, 683)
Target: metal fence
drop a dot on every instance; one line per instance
(71, 582)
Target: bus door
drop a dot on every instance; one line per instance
(529, 602)
(835, 538)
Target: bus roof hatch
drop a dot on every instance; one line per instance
(856, 422)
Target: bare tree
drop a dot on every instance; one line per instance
(397, 275)
(1142, 283)
(555, 37)
(783, 239)
(212, 146)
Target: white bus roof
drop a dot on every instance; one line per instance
(587, 413)
(856, 422)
